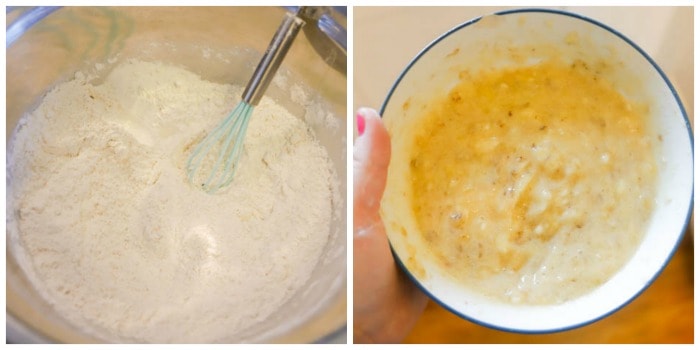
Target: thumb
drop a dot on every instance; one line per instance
(371, 155)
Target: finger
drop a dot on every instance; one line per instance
(371, 155)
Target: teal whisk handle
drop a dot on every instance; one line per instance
(272, 59)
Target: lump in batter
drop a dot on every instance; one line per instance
(533, 184)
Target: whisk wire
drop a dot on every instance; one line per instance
(227, 136)
(233, 149)
(202, 149)
(226, 144)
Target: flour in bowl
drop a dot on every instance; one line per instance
(103, 221)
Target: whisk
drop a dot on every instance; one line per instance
(213, 162)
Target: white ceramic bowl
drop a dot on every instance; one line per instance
(483, 43)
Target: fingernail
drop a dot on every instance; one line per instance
(360, 123)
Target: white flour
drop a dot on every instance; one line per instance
(103, 221)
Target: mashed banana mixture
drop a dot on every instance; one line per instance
(533, 184)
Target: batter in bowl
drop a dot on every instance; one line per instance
(104, 223)
(533, 185)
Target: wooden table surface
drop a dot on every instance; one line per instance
(664, 313)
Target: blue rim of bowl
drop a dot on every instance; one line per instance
(690, 137)
(25, 21)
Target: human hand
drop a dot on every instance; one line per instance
(386, 303)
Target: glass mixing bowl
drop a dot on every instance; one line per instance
(46, 46)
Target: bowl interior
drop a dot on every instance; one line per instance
(221, 44)
(525, 37)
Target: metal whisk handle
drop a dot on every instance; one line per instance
(272, 59)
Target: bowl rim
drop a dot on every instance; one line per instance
(688, 128)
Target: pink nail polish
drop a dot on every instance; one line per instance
(360, 123)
